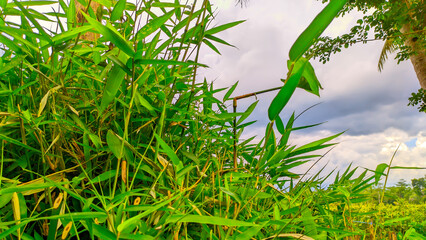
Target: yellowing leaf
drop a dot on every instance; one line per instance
(43, 103)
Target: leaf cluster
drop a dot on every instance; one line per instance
(106, 133)
(382, 20)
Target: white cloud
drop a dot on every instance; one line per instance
(370, 150)
(371, 105)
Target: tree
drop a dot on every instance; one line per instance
(419, 99)
(400, 23)
(419, 185)
(402, 189)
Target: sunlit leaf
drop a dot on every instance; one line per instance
(153, 25)
(315, 28)
(379, 172)
(117, 11)
(114, 81)
(223, 27)
(284, 95)
(111, 34)
(208, 220)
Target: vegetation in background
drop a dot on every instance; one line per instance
(113, 137)
(418, 99)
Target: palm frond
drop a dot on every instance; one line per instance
(242, 2)
(388, 47)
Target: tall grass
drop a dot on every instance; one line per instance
(112, 137)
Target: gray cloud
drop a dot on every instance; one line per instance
(372, 106)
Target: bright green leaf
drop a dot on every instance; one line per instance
(117, 12)
(111, 34)
(314, 30)
(153, 25)
(208, 220)
(284, 95)
(223, 27)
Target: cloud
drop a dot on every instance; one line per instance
(367, 151)
(371, 106)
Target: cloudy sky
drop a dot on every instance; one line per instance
(370, 106)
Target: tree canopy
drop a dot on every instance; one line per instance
(401, 24)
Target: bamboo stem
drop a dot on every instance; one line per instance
(235, 99)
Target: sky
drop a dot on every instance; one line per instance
(370, 106)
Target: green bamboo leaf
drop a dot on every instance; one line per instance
(106, 3)
(3, 4)
(167, 4)
(184, 171)
(31, 18)
(209, 220)
(318, 142)
(163, 46)
(314, 30)
(153, 25)
(111, 34)
(230, 193)
(216, 39)
(77, 216)
(16, 34)
(172, 155)
(132, 221)
(247, 113)
(284, 95)
(309, 80)
(13, 63)
(33, 3)
(223, 27)
(71, 15)
(144, 103)
(5, 199)
(396, 220)
(280, 125)
(118, 10)
(114, 81)
(309, 222)
(178, 11)
(114, 144)
(16, 142)
(65, 36)
(151, 46)
(184, 22)
(103, 233)
(211, 46)
(167, 62)
(13, 46)
(229, 92)
(251, 232)
(26, 188)
(401, 167)
(379, 172)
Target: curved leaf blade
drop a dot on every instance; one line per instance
(117, 12)
(153, 25)
(286, 92)
(314, 30)
(111, 34)
(209, 220)
(114, 81)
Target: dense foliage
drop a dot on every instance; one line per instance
(113, 137)
(418, 99)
